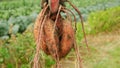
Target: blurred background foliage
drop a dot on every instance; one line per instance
(17, 18)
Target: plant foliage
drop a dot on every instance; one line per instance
(105, 20)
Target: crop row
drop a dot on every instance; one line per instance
(15, 25)
(94, 8)
(20, 3)
(17, 12)
(26, 7)
(18, 22)
(17, 4)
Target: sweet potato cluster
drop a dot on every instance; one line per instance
(54, 40)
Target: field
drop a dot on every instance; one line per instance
(102, 25)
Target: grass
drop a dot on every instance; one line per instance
(106, 54)
(105, 21)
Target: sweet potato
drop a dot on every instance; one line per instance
(55, 40)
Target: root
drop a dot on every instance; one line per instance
(42, 21)
(36, 58)
(56, 42)
(75, 46)
(57, 57)
(79, 13)
(78, 55)
(66, 11)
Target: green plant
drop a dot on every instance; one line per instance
(105, 20)
(4, 28)
(25, 7)
(19, 51)
(16, 25)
